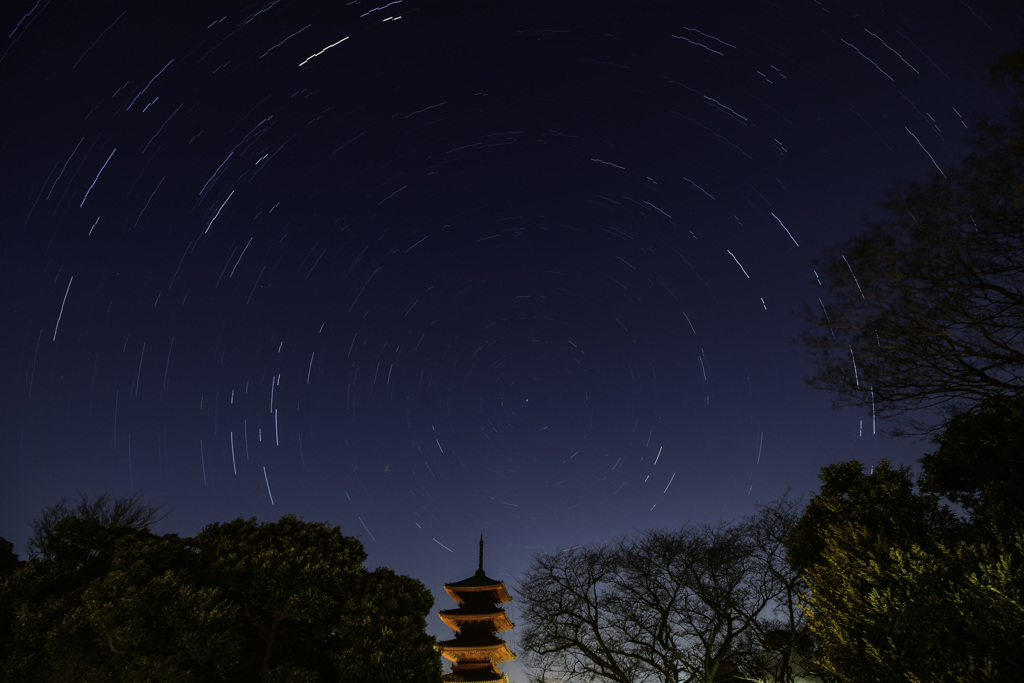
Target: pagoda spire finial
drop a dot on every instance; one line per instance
(480, 568)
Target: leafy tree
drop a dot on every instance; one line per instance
(111, 514)
(925, 309)
(243, 601)
(288, 579)
(48, 636)
(978, 463)
(135, 615)
(663, 606)
(897, 587)
(308, 610)
(8, 565)
(883, 503)
(159, 622)
(384, 637)
(8, 558)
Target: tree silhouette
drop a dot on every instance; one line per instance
(925, 309)
(696, 604)
(105, 599)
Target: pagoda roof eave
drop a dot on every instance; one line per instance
(478, 579)
(456, 652)
(455, 617)
(455, 590)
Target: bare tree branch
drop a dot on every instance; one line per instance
(109, 512)
(665, 606)
(925, 309)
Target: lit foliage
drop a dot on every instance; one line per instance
(926, 310)
(134, 610)
(899, 589)
(242, 601)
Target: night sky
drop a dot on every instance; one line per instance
(427, 270)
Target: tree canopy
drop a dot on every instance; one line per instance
(898, 588)
(115, 515)
(8, 559)
(242, 601)
(978, 463)
(925, 308)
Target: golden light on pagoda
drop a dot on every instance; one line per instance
(476, 651)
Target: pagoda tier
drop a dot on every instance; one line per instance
(474, 673)
(454, 618)
(476, 651)
(478, 589)
(460, 651)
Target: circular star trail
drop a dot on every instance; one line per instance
(432, 269)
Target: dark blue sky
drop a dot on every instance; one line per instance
(431, 269)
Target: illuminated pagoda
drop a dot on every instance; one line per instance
(476, 651)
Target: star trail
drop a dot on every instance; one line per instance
(428, 270)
